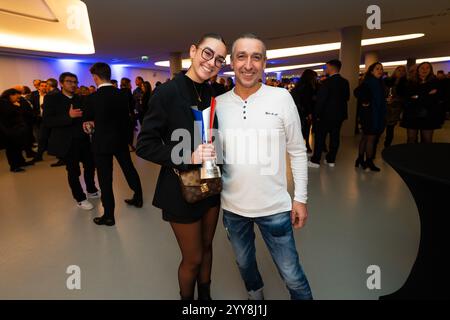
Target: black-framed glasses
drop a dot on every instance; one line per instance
(208, 54)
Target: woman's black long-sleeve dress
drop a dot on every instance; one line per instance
(169, 110)
(422, 109)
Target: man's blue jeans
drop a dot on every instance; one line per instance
(278, 235)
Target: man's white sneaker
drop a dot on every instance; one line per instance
(85, 205)
(313, 164)
(94, 195)
(330, 164)
(256, 295)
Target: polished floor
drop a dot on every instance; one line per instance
(357, 219)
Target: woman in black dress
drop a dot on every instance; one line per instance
(422, 110)
(13, 129)
(304, 95)
(168, 122)
(395, 101)
(371, 95)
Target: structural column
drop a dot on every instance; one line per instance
(350, 56)
(175, 63)
(370, 58)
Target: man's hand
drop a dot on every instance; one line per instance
(75, 113)
(299, 214)
(88, 126)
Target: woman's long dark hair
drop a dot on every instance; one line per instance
(8, 93)
(308, 78)
(430, 76)
(370, 70)
(212, 36)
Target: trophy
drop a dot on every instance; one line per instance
(209, 169)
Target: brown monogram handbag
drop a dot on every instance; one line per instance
(195, 189)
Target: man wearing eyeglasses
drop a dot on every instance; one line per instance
(254, 171)
(63, 115)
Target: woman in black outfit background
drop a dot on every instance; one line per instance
(170, 109)
(395, 101)
(304, 95)
(371, 95)
(13, 129)
(422, 110)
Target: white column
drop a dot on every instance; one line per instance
(370, 58)
(350, 56)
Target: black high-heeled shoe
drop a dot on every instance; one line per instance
(360, 162)
(372, 166)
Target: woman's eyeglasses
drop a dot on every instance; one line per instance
(208, 54)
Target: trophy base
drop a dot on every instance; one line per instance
(210, 172)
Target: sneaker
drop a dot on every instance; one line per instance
(94, 195)
(85, 205)
(330, 164)
(313, 164)
(256, 294)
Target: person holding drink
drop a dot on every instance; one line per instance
(172, 109)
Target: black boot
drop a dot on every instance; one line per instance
(371, 165)
(203, 290)
(360, 162)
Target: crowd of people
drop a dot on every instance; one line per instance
(92, 125)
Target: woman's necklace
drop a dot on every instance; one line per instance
(199, 98)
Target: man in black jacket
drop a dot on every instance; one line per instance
(329, 113)
(63, 115)
(108, 119)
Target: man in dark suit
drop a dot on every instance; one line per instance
(329, 113)
(63, 115)
(108, 116)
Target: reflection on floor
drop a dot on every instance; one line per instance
(357, 219)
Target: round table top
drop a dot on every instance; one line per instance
(430, 161)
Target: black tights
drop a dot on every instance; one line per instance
(426, 136)
(367, 145)
(195, 242)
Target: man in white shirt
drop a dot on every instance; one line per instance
(258, 124)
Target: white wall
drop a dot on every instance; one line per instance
(22, 71)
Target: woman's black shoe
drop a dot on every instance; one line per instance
(104, 221)
(371, 166)
(360, 162)
(17, 169)
(203, 290)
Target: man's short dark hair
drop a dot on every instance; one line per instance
(335, 63)
(248, 35)
(65, 75)
(102, 70)
(140, 78)
(52, 82)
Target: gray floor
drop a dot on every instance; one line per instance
(356, 219)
